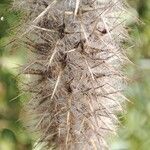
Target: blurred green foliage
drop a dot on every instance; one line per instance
(135, 133)
(142, 32)
(12, 134)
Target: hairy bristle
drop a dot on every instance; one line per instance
(76, 80)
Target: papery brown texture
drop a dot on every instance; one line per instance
(75, 62)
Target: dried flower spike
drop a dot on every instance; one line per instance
(75, 71)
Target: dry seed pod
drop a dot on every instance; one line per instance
(75, 71)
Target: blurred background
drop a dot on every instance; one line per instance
(134, 133)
